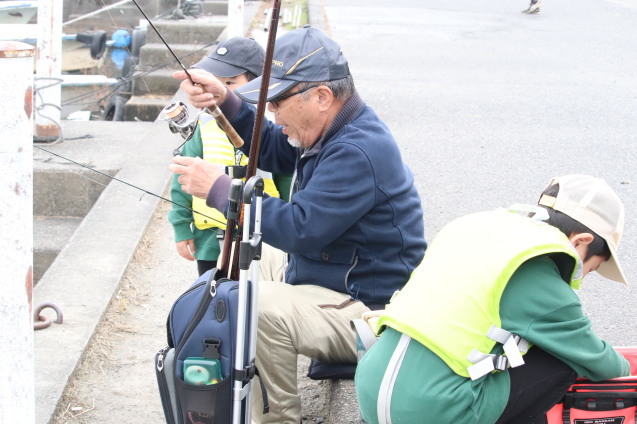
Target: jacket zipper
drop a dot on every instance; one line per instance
(347, 289)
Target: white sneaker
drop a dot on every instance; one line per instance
(533, 8)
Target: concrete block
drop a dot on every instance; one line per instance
(211, 7)
(68, 190)
(50, 235)
(142, 108)
(156, 54)
(157, 83)
(194, 31)
(125, 16)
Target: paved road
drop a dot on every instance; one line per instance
(488, 104)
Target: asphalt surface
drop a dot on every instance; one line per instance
(487, 104)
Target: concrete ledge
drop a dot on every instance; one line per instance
(143, 108)
(156, 54)
(195, 31)
(213, 7)
(82, 188)
(82, 279)
(49, 234)
(158, 84)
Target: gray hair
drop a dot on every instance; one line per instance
(342, 88)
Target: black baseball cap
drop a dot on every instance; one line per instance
(233, 57)
(301, 55)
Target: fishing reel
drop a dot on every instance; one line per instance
(179, 121)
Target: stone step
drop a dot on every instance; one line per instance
(74, 8)
(156, 54)
(50, 235)
(215, 7)
(82, 188)
(156, 83)
(145, 108)
(194, 31)
(125, 16)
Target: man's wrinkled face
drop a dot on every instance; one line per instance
(299, 116)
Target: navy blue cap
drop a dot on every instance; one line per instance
(302, 55)
(233, 57)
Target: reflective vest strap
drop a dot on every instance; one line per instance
(498, 334)
(513, 351)
(483, 364)
(514, 346)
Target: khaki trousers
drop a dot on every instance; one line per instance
(307, 320)
(272, 264)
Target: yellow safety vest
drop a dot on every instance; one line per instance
(451, 302)
(218, 149)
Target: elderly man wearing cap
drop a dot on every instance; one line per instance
(353, 228)
(492, 286)
(234, 62)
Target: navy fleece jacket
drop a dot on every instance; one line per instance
(354, 223)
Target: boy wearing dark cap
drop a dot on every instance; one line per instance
(353, 229)
(489, 328)
(234, 62)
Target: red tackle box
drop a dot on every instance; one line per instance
(600, 402)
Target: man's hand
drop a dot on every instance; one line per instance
(196, 175)
(186, 249)
(207, 91)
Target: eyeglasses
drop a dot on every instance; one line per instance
(275, 101)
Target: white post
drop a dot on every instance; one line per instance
(48, 83)
(268, 18)
(17, 391)
(235, 19)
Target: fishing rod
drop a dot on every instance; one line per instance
(225, 267)
(216, 113)
(255, 142)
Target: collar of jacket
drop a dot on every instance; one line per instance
(350, 109)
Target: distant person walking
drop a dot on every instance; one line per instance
(534, 7)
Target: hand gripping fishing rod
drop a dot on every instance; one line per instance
(234, 138)
(216, 113)
(253, 156)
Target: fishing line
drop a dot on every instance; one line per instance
(128, 184)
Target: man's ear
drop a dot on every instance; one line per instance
(325, 97)
(581, 239)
